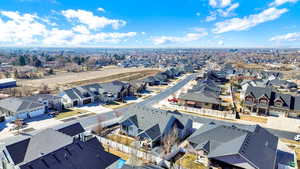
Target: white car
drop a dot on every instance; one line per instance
(297, 137)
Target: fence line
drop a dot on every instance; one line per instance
(208, 112)
(148, 156)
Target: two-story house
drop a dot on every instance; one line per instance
(151, 125)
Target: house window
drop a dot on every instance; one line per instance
(278, 103)
(249, 99)
(263, 101)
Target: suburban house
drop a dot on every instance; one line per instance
(216, 76)
(28, 107)
(162, 78)
(51, 102)
(118, 89)
(206, 85)
(80, 95)
(102, 92)
(151, 125)
(205, 94)
(138, 86)
(246, 147)
(266, 101)
(152, 81)
(56, 149)
(283, 85)
(200, 99)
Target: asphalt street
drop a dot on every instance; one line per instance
(90, 121)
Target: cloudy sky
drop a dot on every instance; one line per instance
(150, 23)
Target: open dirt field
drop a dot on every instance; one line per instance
(69, 79)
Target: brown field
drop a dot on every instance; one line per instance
(70, 79)
(254, 119)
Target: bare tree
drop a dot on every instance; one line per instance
(18, 125)
(169, 140)
(99, 128)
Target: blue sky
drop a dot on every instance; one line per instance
(145, 23)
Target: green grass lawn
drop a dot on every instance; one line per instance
(69, 113)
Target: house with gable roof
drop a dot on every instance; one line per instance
(57, 149)
(266, 101)
(243, 147)
(148, 124)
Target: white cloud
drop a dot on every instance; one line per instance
(239, 24)
(287, 37)
(198, 14)
(200, 29)
(20, 29)
(30, 29)
(227, 12)
(219, 3)
(174, 39)
(221, 42)
(81, 29)
(101, 9)
(92, 21)
(281, 2)
(224, 9)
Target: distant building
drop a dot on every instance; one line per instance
(8, 83)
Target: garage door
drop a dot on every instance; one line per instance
(87, 101)
(36, 113)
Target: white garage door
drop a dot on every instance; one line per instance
(37, 113)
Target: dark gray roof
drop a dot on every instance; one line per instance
(254, 143)
(286, 98)
(77, 155)
(114, 87)
(282, 83)
(16, 105)
(51, 149)
(297, 103)
(71, 94)
(258, 92)
(201, 96)
(152, 121)
(38, 145)
(41, 97)
(72, 130)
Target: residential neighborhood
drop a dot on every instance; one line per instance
(172, 84)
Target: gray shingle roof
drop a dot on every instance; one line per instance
(17, 105)
(201, 96)
(259, 91)
(152, 121)
(254, 143)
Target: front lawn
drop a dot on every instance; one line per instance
(188, 162)
(116, 105)
(69, 113)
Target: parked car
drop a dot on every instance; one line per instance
(297, 137)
